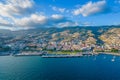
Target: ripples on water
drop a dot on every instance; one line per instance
(101, 67)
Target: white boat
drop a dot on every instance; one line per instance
(112, 60)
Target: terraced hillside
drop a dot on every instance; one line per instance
(111, 37)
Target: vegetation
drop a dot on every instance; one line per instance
(5, 48)
(114, 50)
(64, 51)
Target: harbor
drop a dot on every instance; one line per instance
(54, 55)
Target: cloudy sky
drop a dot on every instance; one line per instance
(27, 14)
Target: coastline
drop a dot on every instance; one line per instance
(59, 55)
(110, 53)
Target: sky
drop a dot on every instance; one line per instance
(30, 14)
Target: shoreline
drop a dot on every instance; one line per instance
(114, 54)
(50, 55)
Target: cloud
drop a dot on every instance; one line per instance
(37, 21)
(4, 22)
(20, 14)
(10, 8)
(31, 21)
(57, 17)
(62, 10)
(91, 8)
(68, 24)
(61, 21)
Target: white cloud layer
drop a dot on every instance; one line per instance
(33, 20)
(19, 14)
(91, 8)
(11, 8)
(37, 21)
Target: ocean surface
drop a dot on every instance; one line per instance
(100, 67)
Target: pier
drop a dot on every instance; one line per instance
(60, 56)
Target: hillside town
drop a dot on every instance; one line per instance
(64, 41)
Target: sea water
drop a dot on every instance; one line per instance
(100, 67)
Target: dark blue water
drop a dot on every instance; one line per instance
(36, 68)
